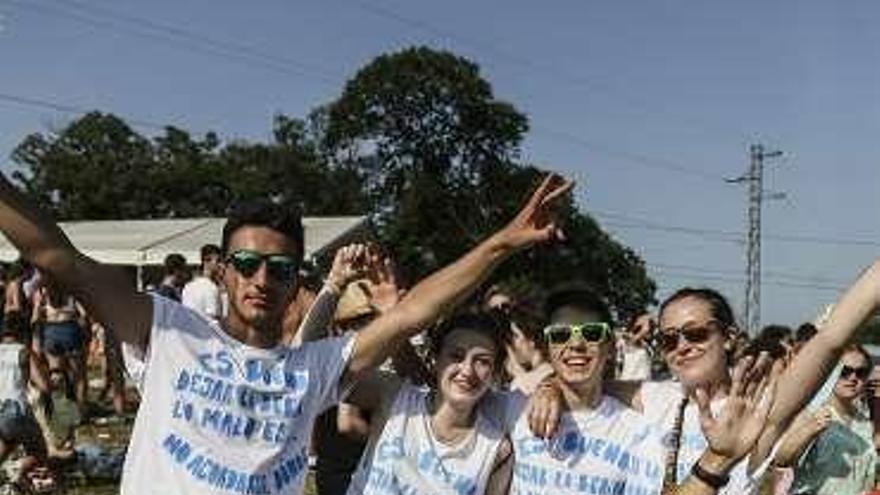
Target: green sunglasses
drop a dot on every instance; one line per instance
(278, 266)
(562, 333)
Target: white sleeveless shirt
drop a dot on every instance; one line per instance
(12, 386)
(661, 404)
(408, 459)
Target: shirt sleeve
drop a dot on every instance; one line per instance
(328, 360)
(319, 317)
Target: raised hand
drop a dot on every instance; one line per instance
(383, 287)
(349, 264)
(536, 222)
(821, 419)
(734, 432)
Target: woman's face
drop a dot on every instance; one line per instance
(853, 376)
(465, 366)
(693, 342)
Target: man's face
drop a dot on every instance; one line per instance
(259, 299)
(578, 362)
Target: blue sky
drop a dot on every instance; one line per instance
(649, 105)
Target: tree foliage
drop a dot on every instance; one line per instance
(416, 138)
(98, 167)
(439, 153)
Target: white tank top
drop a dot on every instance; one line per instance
(408, 459)
(12, 386)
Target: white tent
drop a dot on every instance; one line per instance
(147, 242)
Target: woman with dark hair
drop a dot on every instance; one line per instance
(695, 338)
(440, 439)
(831, 449)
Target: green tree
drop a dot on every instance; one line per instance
(439, 156)
(97, 168)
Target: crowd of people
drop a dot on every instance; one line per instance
(251, 374)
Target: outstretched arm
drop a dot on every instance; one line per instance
(105, 291)
(447, 287)
(804, 429)
(812, 364)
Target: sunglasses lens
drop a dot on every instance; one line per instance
(281, 268)
(861, 373)
(246, 263)
(696, 335)
(668, 341)
(558, 334)
(594, 333)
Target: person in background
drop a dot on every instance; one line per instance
(58, 415)
(202, 293)
(803, 334)
(15, 300)
(832, 448)
(632, 349)
(64, 335)
(174, 276)
(17, 423)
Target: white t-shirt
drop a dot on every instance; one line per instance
(12, 384)
(605, 450)
(636, 362)
(220, 417)
(407, 459)
(661, 403)
(203, 295)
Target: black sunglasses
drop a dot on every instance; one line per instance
(669, 340)
(861, 372)
(280, 267)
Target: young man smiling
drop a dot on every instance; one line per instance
(227, 408)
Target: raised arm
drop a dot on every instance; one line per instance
(104, 290)
(812, 364)
(447, 287)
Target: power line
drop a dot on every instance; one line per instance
(65, 108)
(139, 26)
(720, 278)
(249, 55)
(784, 276)
(637, 223)
(537, 67)
(635, 158)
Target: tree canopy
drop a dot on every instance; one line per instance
(416, 139)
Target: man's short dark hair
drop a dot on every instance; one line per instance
(264, 213)
(174, 263)
(580, 297)
(209, 250)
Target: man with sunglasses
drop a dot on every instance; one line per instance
(600, 444)
(226, 407)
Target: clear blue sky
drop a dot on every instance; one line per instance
(648, 104)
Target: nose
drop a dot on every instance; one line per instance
(261, 277)
(466, 368)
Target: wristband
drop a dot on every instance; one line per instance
(716, 481)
